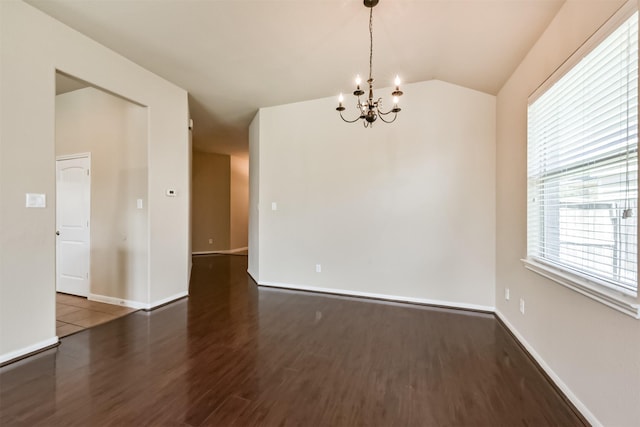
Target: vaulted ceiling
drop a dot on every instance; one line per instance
(235, 56)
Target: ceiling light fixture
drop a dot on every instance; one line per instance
(370, 108)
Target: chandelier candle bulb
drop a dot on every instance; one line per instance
(340, 106)
(358, 92)
(395, 108)
(396, 93)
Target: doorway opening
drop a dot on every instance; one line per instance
(101, 205)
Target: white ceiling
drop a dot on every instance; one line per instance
(235, 56)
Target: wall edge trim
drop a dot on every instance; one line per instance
(385, 297)
(252, 277)
(167, 300)
(225, 251)
(552, 376)
(116, 301)
(136, 304)
(14, 356)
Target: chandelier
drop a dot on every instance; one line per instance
(370, 109)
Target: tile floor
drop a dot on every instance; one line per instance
(74, 313)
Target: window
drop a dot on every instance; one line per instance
(582, 219)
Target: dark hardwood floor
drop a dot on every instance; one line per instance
(236, 354)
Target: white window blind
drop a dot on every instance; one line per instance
(583, 166)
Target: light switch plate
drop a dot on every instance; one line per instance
(36, 200)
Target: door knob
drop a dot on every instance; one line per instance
(57, 233)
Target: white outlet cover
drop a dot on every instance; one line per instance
(521, 306)
(506, 294)
(139, 203)
(171, 192)
(318, 268)
(274, 206)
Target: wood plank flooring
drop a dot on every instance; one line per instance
(236, 354)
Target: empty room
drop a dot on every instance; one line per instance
(327, 213)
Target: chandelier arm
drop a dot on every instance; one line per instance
(395, 110)
(388, 121)
(349, 121)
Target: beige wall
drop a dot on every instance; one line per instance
(592, 350)
(114, 131)
(403, 211)
(211, 201)
(220, 202)
(34, 45)
(239, 203)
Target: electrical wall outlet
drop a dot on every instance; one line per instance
(522, 305)
(211, 241)
(318, 268)
(506, 294)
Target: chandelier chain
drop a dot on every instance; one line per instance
(370, 43)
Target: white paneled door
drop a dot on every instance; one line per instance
(73, 203)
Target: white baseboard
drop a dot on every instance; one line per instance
(554, 377)
(117, 301)
(28, 350)
(167, 300)
(252, 276)
(226, 251)
(380, 296)
(136, 304)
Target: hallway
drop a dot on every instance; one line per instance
(236, 354)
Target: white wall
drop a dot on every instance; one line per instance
(33, 47)
(254, 197)
(403, 210)
(114, 131)
(592, 350)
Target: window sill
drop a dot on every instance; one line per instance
(616, 300)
